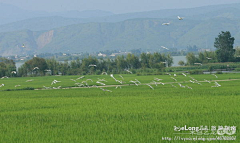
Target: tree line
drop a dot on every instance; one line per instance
(7, 67)
(224, 52)
(91, 65)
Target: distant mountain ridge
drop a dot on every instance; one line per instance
(10, 13)
(41, 23)
(148, 34)
(122, 32)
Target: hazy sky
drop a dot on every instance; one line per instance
(115, 6)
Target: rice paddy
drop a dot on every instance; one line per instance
(131, 113)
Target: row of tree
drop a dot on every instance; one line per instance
(7, 67)
(201, 58)
(92, 65)
(224, 52)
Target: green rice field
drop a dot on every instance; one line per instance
(36, 110)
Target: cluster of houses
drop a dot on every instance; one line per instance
(113, 54)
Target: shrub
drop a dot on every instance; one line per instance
(219, 72)
(196, 72)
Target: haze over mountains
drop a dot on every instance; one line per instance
(91, 31)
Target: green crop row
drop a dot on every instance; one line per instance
(127, 114)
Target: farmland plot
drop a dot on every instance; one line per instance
(129, 113)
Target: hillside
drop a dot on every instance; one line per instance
(74, 35)
(148, 34)
(41, 23)
(13, 14)
(37, 21)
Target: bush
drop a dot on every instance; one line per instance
(196, 72)
(237, 69)
(138, 74)
(98, 72)
(27, 88)
(219, 72)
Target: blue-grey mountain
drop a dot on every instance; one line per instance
(142, 30)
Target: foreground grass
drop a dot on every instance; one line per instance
(130, 114)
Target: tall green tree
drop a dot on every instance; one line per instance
(237, 54)
(132, 61)
(144, 59)
(6, 67)
(191, 59)
(237, 51)
(53, 66)
(224, 44)
(169, 60)
(121, 63)
(35, 66)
